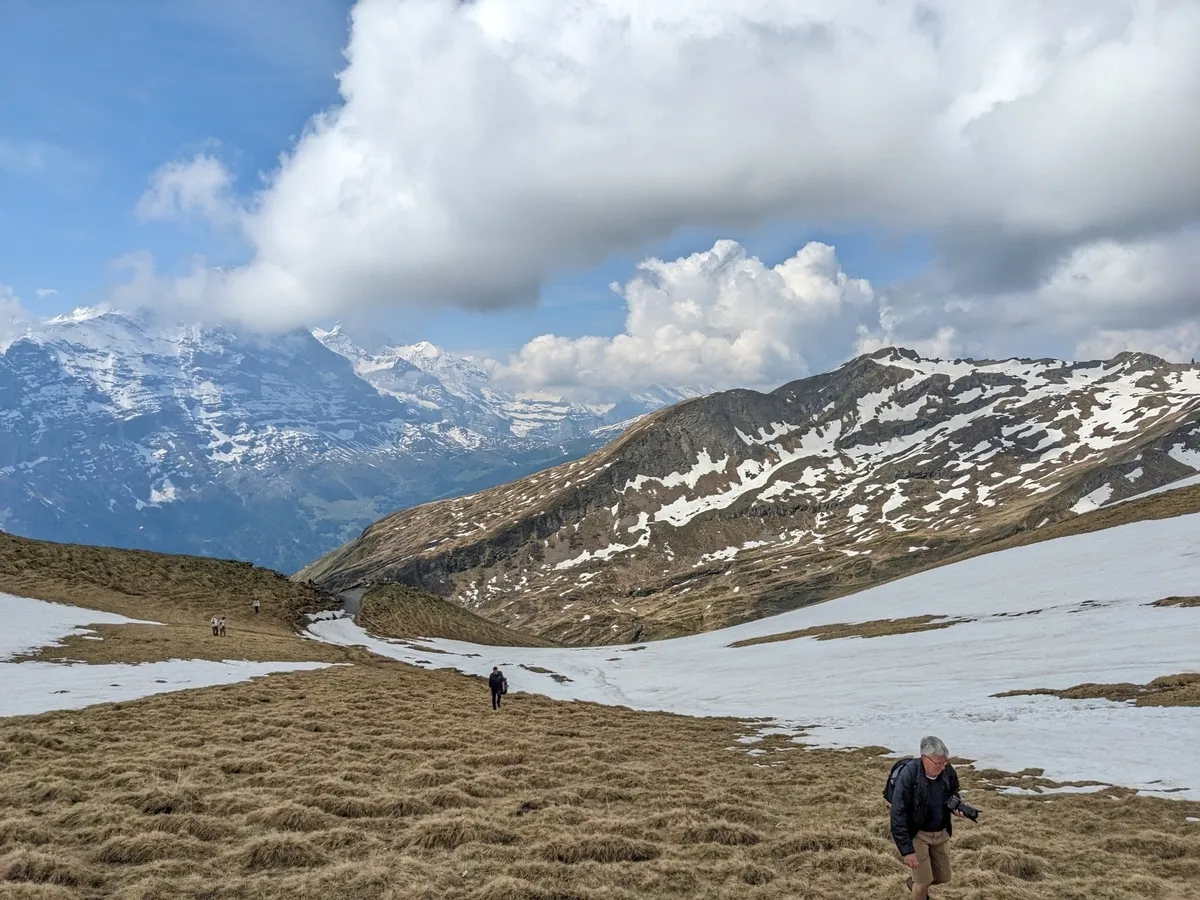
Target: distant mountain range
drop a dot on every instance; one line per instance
(739, 504)
(119, 430)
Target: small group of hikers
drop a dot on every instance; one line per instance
(218, 622)
(924, 796)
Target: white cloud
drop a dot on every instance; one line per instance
(1178, 343)
(201, 186)
(482, 147)
(14, 320)
(719, 318)
(1103, 295)
(45, 292)
(722, 318)
(24, 157)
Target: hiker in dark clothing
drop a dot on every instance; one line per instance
(499, 685)
(921, 820)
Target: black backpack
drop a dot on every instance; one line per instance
(890, 788)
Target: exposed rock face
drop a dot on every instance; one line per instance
(741, 504)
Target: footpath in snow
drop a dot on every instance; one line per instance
(1049, 615)
(31, 687)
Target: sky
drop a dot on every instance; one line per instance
(603, 194)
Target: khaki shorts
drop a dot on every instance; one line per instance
(933, 858)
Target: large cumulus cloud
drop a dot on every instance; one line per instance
(723, 318)
(718, 317)
(482, 148)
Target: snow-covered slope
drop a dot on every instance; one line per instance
(427, 376)
(741, 504)
(32, 686)
(1049, 615)
(117, 429)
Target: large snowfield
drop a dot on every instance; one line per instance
(1084, 617)
(33, 687)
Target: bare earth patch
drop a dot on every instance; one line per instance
(1169, 690)
(1178, 601)
(876, 628)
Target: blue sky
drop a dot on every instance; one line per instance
(99, 95)
(987, 194)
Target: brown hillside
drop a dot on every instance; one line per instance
(739, 505)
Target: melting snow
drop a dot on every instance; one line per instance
(1094, 500)
(1094, 625)
(31, 687)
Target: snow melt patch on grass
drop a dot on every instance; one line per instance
(31, 687)
(1093, 625)
(1094, 500)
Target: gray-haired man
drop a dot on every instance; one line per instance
(921, 819)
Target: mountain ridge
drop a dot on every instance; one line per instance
(128, 430)
(741, 504)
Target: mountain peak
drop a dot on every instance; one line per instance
(422, 348)
(82, 314)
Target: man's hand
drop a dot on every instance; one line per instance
(911, 861)
(959, 813)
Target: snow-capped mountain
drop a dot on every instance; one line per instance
(118, 429)
(739, 504)
(427, 376)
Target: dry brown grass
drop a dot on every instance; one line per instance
(148, 643)
(396, 611)
(1177, 601)
(876, 628)
(380, 782)
(1168, 690)
(141, 584)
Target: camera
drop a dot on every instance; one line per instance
(956, 803)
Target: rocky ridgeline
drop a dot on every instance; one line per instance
(740, 504)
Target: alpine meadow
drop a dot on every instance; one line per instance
(599, 451)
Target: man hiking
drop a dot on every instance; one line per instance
(499, 685)
(925, 796)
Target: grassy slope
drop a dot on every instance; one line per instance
(141, 583)
(183, 592)
(379, 782)
(403, 612)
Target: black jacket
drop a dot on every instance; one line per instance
(496, 682)
(910, 802)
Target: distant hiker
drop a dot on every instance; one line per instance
(924, 795)
(216, 624)
(498, 684)
(256, 606)
(221, 625)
